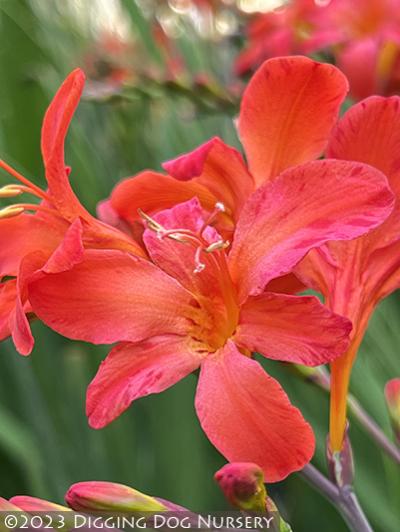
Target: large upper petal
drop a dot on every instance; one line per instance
(287, 112)
(54, 130)
(249, 418)
(111, 296)
(295, 329)
(135, 370)
(301, 209)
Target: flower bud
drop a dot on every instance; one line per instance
(8, 506)
(243, 485)
(392, 395)
(107, 496)
(32, 504)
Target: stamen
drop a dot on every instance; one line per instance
(31, 186)
(10, 212)
(220, 244)
(199, 265)
(10, 191)
(186, 236)
(218, 208)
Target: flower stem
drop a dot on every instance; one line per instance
(344, 499)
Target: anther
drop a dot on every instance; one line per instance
(11, 211)
(220, 244)
(10, 191)
(152, 224)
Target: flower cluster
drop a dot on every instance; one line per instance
(199, 267)
(362, 36)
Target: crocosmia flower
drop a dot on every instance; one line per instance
(26, 228)
(355, 276)
(195, 304)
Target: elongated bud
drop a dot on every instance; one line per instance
(243, 485)
(8, 506)
(10, 191)
(11, 211)
(341, 463)
(392, 395)
(107, 496)
(32, 504)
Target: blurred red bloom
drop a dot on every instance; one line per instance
(364, 38)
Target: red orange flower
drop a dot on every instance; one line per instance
(195, 305)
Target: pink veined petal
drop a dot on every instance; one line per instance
(220, 169)
(249, 418)
(54, 130)
(111, 296)
(303, 208)
(135, 370)
(287, 112)
(295, 329)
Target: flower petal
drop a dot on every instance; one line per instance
(55, 126)
(292, 329)
(220, 169)
(24, 234)
(135, 370)
(302, 209)
(287, 113)
(370, 133)
(152, 192)
(234, 391)
(111, 296)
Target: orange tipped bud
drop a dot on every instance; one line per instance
(243, 486)
(107, 496)
(392, 395)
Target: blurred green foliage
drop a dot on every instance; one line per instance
(157, 446)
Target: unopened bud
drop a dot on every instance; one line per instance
(392, 395)
(243, 485)
(8, 506)
(107, 496)
(32, 504)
